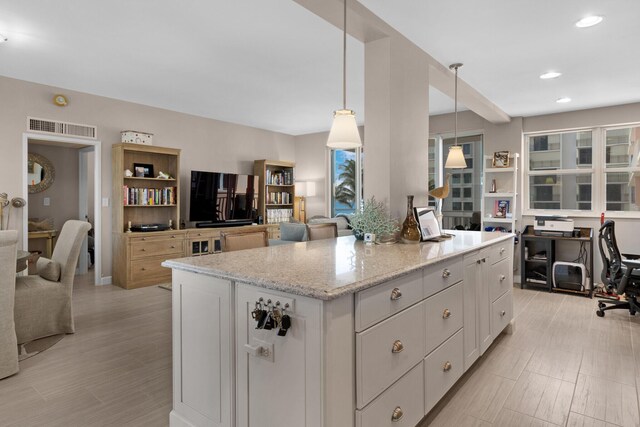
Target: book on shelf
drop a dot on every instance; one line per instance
(133, 196)
(284, 177)
(501, 208)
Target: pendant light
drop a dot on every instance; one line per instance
(344, 133)
(455, 158)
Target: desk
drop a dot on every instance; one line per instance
(21, 260)
(547, 244)
(50, 235)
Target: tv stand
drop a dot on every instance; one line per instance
(224, 224)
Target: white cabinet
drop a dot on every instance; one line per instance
(477, 306)
(202, 351)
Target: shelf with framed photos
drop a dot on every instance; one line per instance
(277, 190)
(145, 199)
(500, 196)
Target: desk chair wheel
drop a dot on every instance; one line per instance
(601, 305)
(600, 313)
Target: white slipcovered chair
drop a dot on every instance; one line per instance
(8, 344)
(43, 301)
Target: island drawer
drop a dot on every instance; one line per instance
(140, 249)
(501, 251)
(501, 313)
(500, 279)
(443, 312)
(401, 405)
(378, 303)
(442, 275)
(387, 351)
(442, 368)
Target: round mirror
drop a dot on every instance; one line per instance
(40, 173)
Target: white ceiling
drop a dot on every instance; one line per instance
(274, 65)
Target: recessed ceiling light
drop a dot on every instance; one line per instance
(563, 100)
(550, 75)
(589, 21)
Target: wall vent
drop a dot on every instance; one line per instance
(61, 128)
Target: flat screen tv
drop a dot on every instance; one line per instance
(219, 198)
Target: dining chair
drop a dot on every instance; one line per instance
(43, 305)
(8, 342)
(236, 240)
(328, 230)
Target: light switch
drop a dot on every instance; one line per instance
(105, 202)
(46, 201)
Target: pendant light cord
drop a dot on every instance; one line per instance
(455, 67)
(344, 59)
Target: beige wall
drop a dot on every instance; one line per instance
(206, 144)
(311, 165)
(63, 193)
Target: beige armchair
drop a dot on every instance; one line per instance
(43, 305)
(8, 344)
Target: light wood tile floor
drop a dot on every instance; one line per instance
(562, 366)
(114, 371)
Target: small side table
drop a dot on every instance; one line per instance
(50, 235)
(22, 260)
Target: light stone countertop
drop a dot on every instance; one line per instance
(327, 269)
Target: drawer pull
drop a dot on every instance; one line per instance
(447, 366)
(446, 273)
(173, 237)
(502, 313)
(446, 313)
(502, 277)
(173, 246)
(396, 294)
(484, 260)
(397, 347)
(143, 250)
(502, 251)
(144, 238)
(397, 414)
(143, 269)
(478, 261)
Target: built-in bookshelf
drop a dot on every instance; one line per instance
(500, 194)
(277, 190)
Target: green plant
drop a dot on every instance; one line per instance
(373, 218)
(345, 191)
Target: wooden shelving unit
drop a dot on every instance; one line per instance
(277, 190)
(137, 256)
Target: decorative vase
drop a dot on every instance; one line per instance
(410, 232)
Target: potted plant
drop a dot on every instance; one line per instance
(373, 218)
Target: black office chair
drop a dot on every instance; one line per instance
(620, 272)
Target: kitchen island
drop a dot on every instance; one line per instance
(378, 333)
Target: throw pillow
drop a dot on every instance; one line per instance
(50, 271)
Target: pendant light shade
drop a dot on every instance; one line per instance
(344, 133)
(455, 158)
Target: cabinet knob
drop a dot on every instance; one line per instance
(502, 313)
(397, 347)
(143, 250)
(478, 261)
(447, 366)
(484, 260)
(446, 313)
(502, 277)
(502, 251)
(396, 294)
(144, 238)
(446, 273)
(397, 414)
(173, 246)
(173, 237)
(143, 269)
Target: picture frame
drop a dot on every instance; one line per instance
(143, 170)
(427, 223)
(501, 159)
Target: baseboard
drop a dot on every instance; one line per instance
(105, 280)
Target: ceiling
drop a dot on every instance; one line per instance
(273, 64)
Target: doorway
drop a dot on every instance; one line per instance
(73, 194)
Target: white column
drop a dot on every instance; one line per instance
(396, 123)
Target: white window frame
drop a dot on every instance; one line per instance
(598, 169)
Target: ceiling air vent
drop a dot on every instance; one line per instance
(61, 128)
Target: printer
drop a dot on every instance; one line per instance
(553, 225)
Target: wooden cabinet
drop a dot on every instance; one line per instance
(145, 200)
(277, 190)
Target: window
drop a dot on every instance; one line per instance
(346, 188)
(592, 170)
(622, 168)
(465, 184)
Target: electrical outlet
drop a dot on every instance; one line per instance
(105, 202)
(46, 201)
